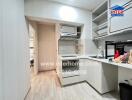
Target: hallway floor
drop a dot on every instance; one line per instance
(46, 86)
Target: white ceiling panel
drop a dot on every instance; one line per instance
(85, 4)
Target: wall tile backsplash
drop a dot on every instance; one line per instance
(67, 47)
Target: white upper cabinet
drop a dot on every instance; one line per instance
(100, 20)
(120, 23)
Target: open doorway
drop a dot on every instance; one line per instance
(33, 46)
(47, 46)
(43, 46)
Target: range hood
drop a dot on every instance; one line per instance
(68, 31)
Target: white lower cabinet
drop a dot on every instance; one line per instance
(102, 77)
(83, 64)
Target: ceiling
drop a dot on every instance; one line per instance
(85, 4)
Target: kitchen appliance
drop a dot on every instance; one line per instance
(130, 57)
(69, 31)
(70, 66)
(117, 46)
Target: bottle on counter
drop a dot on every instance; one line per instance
(130, 57)
(117, 54)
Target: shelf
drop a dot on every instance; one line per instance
(101, 8)
(100, 37)
(102, 32)
(100, 21)
(101, 17)
(114, 34)
(103, 24)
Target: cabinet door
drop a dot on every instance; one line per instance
(83, 63)
(123, 22)
(97, 74)
(89, 72)
(94, 74)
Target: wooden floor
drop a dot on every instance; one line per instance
(46, 86)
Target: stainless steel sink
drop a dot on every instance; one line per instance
(99, 57)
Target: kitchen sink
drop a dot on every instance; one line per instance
(99, 57)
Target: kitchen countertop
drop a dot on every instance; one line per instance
(129, 66)
(69, 57)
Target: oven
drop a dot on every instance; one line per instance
(70, 67)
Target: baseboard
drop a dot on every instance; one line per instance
(43, 70)
(74, 83)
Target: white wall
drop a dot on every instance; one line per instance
(124, 74)
(1, 80)
(15, 55)
(33, 29)
(48, 10)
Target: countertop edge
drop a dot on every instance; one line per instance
(129, 66)
(123, 65)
